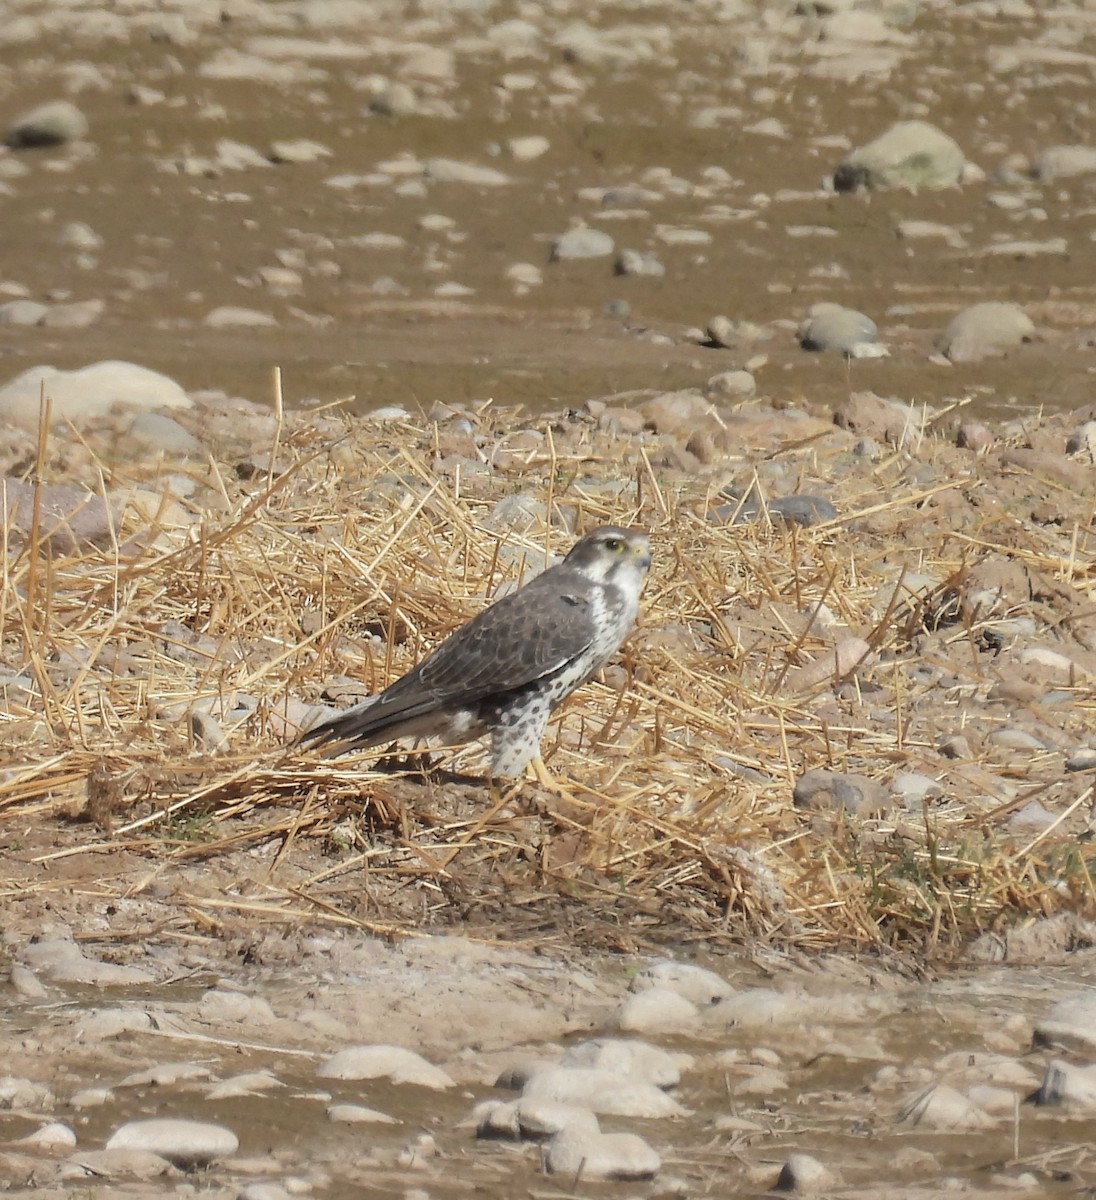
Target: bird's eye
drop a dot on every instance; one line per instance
(614, 544)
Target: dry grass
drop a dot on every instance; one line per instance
(352, 554)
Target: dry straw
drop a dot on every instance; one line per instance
(165, 672)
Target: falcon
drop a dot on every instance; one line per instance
(503, 673)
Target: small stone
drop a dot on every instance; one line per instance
(1070, 1025)
(396, 100)
(54, 1136)
(732, 385)
(448, 170)
(23, 312)
(184, 1143)
(974, 435)
(582, 242)
(1068, 1085)
(358, 1114)
(1064, 162)
(230, 316)
(525, 149)
(914, 789)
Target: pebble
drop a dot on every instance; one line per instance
(187, 1144)
(448, 170)
(581, 242)
(62, 961)
(358, 1114)
(639, 262)
(232, 316)
(395, 1063)
(731, 385)
(53, 1136)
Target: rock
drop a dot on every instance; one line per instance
(694, 983)
(540, 1119)
(49, 124)
(1070, 1025)
(159, 432)
(913, 789)
(822, 789)
(398, 99)
(230, 316)
(581, 1154)
(942, 1107)
(638, 262)
(831, 327)
(62, 961)
(676, 412)
(448, 170)
(732, 385)
(185, 1143)
(526, 149)
(603, 1092)
(655, 1010)
(166, 1075)
(23, 312)
(54, 1136)
(641, 1060)
(1064, 162)
(909, 154)
(582, 242)
(1082, 441)
(804, 1174)
(868, 415)
(1068, 1085)
(974, 435)
(985, 330)
(358, 1114)
(394, 1063)
(88, 392)
(70, 518)
(846, 659)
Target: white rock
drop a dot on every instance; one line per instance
(603, 1092)
(166, 1074)
(1069, 1085)
(582, 242)
(448, 170)
(358, 1114)
(985, 330)
(88, 392)
(942, 1107)
(638, 1059)
(185, 1143)
(544, 1118)
(697, 984)
(49, 124)
(249, 1083)
(656, 1010)
(1070, 1024)
(62, 961)
(395, 1063)
(804, 1174)
(229, 316)
(53, 1136)
(581, 1154)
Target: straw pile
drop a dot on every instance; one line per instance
(168, 671)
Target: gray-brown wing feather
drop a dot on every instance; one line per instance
(526, 636)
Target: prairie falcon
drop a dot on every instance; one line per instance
(503, 672)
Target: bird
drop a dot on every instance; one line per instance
(501, 674)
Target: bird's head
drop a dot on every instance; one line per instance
(612, 554)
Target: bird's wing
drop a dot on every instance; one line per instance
(525, 636)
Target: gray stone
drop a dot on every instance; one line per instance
(804, 1174)
(231, 316)
(639, 262)
(831, 327)
(395, 1063)
(22, 312)
(654, 1010)
(49, 124)
(943, 1107)
(641, 1060)
(449, 170)
(696, 984)
(732, 385)
(583, 1154)
(822, 789)
(582, 242)
(1070, 1025)
(909, 154)
(184, 1143)
(985, 330)
(602, 1092)
(1064, 162)
(70, 518)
